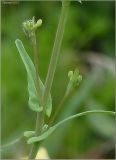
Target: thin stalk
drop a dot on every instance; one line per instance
(57, 110)
(39, 118)
(66, 95)
(56, 50)
(33, 42)
(36, 145)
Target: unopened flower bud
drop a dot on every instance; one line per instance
(70, 74)
(74, 79)
(38, 24)
(30, 26)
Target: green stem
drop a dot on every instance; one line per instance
(39, 118)
(34, 150)
(57, 110)
(35, 146)
(56, 50)
(33, 41)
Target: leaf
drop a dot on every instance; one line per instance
(31, 76)
(34, 101)
(51, 129)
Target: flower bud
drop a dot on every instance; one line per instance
(38, 24)
(70, 74)
(30, 26)
(74, 79)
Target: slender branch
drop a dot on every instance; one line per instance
(57, 110)
(56, 50)
(33, 41)
(38, 126)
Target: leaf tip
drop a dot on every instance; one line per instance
(17, 41)
(32, 140)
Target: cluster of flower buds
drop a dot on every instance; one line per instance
(30, 26)
(74, 79)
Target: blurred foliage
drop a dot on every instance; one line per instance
(90, 27)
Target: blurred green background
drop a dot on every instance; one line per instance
(89, 45)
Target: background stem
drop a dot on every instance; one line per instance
(55, 51)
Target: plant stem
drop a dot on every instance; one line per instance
(66, 95)
(56, 50)
(36, 145)
(39, 118)
(33, 41)
(57, 110)
(34, 150)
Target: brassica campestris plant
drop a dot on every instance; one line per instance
(40, 99)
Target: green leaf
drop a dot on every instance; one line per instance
(31, 76)
(34, 101)
(51, 129)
